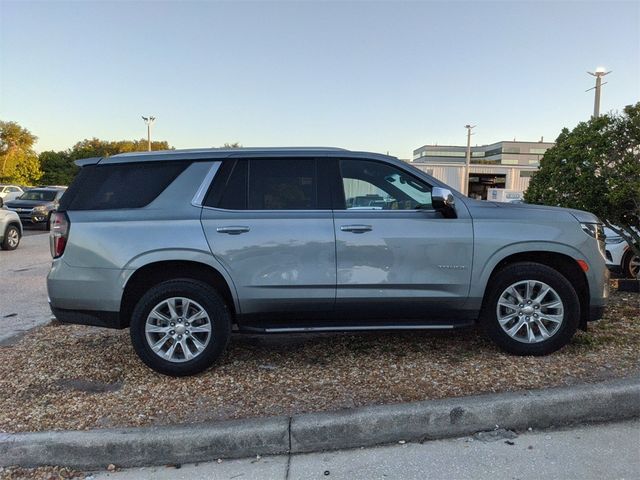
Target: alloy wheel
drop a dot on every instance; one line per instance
(13, 237)
(634, 266)
(530, 311)
(178, 329)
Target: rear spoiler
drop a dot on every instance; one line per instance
(83, 162)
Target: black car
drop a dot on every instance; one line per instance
(36, 206)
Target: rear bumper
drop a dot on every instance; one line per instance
(84, 289)
(94, 318)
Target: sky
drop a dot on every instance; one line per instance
(377, 76)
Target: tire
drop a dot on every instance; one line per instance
(202, 298)
(11, 238)
(539, 311)
(630, 265)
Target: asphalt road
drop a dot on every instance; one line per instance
(23, 292)
(598, 452)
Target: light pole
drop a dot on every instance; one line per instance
(467, 163)
(599, 73)
(149, 121)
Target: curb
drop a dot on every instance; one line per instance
(362, 427)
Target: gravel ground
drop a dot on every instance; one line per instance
(74, 377)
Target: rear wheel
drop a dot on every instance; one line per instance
(530, 309)
(180, 327)
(11, 238)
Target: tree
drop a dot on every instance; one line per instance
(596, 167)
(59, 168)
(232, 145)
(103, 148)
(18, 162)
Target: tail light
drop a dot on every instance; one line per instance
(59, 233)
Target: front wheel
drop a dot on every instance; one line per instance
(180, 327)
(11, 238)
(530, 309)
(631, 265)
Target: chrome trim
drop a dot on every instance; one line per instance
(224, 210)
(324, 210)
(198, 198)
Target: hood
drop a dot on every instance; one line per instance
(27, 203)
(523, 208)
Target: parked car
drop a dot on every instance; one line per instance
(10, 192)
(182, 246)
(35, 206)
(620, 257)
(10, 228)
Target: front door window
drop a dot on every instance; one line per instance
(378, 186)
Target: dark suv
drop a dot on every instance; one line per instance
(181, 246)
(35, 206)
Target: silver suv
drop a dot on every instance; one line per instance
(10, 228)
(182, 247)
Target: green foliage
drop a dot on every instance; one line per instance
(58, 168)
(596, 167)
(18, 162)
(102, 148)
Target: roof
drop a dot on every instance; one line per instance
(221, 153)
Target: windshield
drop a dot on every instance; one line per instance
(39, 195)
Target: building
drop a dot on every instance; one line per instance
(505, 164)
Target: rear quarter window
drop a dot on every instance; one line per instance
(128, 185)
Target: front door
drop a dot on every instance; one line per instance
(396, 256)
(270, 225)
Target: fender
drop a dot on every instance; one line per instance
(178, 254)
(480, 276)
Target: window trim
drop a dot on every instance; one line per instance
(203, 189)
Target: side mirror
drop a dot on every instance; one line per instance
(443, 201)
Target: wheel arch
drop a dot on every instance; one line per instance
(153, 273)
(565, 264)
(16, 224)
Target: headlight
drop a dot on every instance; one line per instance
(614, 239)
(40, 210)
(596, 231)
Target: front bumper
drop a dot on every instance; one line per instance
(32, 218)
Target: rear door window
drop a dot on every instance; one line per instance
(268, 184)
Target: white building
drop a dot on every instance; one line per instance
(506, 164)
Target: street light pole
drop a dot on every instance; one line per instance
(149, 121)
(467, 163)
(599, 73)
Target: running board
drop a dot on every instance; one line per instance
(350, 328)
(356, 328)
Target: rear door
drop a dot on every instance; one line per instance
(269, 223)
(396, 256)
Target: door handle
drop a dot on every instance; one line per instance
(233, 230)
(356, 228)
